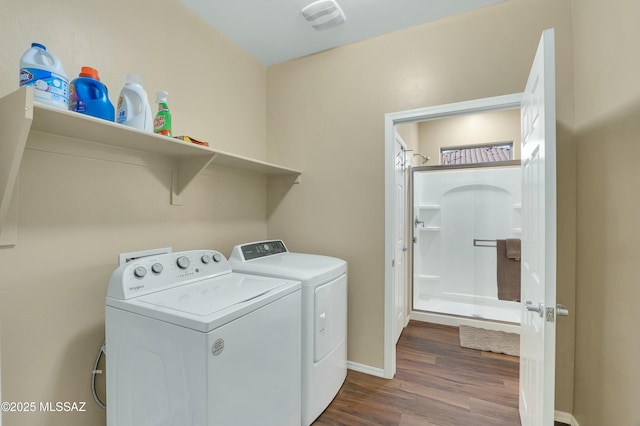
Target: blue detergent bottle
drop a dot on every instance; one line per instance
(87, 95)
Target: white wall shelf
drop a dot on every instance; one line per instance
(21, 116)
(429, 207)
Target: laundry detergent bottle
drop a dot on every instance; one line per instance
(162, 122)
(133, 105)
(43, 70)
(88, 95)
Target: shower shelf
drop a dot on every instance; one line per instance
(517, 206)
(517, 230)
(429, 207)
(428, 277)
(430, 228)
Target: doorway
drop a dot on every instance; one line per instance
(507, 102)
(538, 255)
(465, 197)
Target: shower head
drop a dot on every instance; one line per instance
(424, 157)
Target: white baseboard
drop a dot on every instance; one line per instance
(566, 418)
(367, 369)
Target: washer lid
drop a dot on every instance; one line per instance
(207, 297)
(311, 269)
(207, 304)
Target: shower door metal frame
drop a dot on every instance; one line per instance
(419, 169)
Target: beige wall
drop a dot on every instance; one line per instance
(607, 92)
(216, 90)
(326, 117)
(474, 129)
(77, 213)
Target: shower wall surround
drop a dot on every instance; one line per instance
(458, 215)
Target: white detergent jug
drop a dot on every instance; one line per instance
(133, 105)
(44, 71)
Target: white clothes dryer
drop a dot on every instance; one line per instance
(190, 343)
(324, 314)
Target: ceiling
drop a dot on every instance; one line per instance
(274, 31)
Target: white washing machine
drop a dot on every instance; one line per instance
(324, 314)
(190, 343)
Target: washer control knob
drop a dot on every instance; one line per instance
(205, 258)
(140, 272)
(157, 268)
(216, 257)
(183, 262)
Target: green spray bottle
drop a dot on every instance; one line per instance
(162, 121)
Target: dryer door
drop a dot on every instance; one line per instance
(330, 317)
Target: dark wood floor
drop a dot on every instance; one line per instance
(437, 383)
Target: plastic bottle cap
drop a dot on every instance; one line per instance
(89, 72)
(41, 46)
(134, 78)
(161, 96)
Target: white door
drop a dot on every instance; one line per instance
(538, 295)
(399, 276)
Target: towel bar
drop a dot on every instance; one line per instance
(484, 243)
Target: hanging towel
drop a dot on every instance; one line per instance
(508, 272)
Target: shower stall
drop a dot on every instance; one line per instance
(458, 214)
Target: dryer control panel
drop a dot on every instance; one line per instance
(260, 249)
(149, 274)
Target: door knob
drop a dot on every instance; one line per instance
(539, 308)
(562, 310)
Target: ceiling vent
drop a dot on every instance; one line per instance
(323, 14)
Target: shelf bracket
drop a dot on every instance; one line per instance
(16, 110)
(9, 234)
(185, 171)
